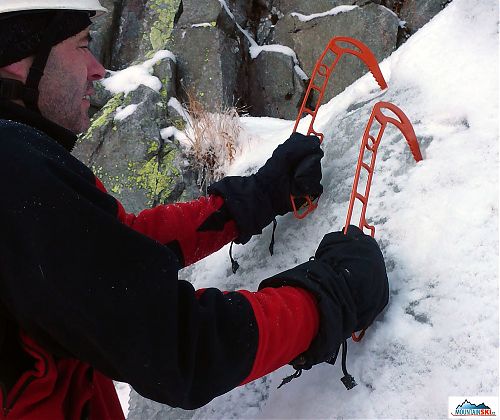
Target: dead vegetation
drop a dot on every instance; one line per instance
(212, 138)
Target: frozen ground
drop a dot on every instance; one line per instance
(436, 221)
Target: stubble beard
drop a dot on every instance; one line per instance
(61, 100)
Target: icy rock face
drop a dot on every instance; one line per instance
(212, 38)
(125, 150)
(209, 54)
(102, 32)
(276, 88)
(416, 13)
(213, 41)
(373, 25)
(143, 27)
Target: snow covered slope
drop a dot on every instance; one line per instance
(436, 221)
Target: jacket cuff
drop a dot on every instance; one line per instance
(247, 203)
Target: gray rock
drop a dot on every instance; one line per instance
(417, 13)
(213, 64)
(208, 11)
(309, 39)
(102, 32)
(145, 27)
(135, 164)
(199, 11)
(241, 10)
(274, 88)
(101, 96)
(160, 17)
(207, 63)
(125, 47)
(394, 5)
(166, 71)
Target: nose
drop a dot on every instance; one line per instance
(95, 70)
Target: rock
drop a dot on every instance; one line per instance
(135, 164)
(416, 13)
(196, 12)
(374, 25)
(125, 47)
(275, 88)
(159, 21)
(207, 63)
(145, 27)
(101, 96)
(102, 32)
(166, 71)
(212, 12)
(207, 44)
(214, 64)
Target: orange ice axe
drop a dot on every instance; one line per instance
(369, 146)
(302, 206)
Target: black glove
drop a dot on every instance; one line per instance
(348, 278)
(254, 201)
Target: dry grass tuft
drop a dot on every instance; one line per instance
(213, 140)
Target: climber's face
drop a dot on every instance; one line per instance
(67, 83)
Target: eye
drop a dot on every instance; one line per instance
(86, 42)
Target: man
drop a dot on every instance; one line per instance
(89, 293)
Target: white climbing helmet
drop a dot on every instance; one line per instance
(7, 6)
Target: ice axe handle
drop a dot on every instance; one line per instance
(304, 205)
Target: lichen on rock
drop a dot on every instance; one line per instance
(161, 19)
(156, 175)
(105, 115)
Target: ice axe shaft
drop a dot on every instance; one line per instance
(317, 85)
(370, 144)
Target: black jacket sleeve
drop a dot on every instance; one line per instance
(86, 286)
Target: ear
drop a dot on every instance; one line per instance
(18, 70)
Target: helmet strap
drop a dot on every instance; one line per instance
(11, 89)
(30, 92)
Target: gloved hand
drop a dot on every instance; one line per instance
(360, 257)
(254, 201)
(294, 168)
(349, 280)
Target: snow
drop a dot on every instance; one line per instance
(177, 106)
(436, 222)
(257, 49)
(172, 131)
(243, 31)
(124, 112)
(132, 77)
(123, 391)
(202, 25)
(332, 12)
